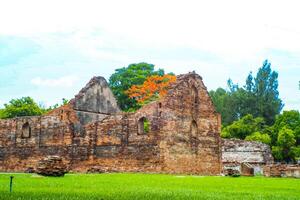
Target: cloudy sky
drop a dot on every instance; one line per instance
(49, 49)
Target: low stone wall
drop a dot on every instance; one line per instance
(282, 170)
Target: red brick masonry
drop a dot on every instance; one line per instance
(91, 132)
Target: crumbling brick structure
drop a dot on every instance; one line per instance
(91, 133)
(282, 170)
(241, 155)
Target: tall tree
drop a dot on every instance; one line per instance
(258, 97)
(124, 78)
(268, 104)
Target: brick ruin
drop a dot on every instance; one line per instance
(282, 170)
(243, 155)
(92, 133)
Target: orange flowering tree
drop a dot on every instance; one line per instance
(153, 88)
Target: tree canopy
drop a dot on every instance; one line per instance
(244, 127)
(252, 112)
(24, 106)
(124, 78)
(153, 88)
(258, 97)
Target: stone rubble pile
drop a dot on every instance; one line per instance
(51, 166)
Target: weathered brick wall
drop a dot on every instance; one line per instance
(45, 135)
(235, 152)
(239, 151)
(183, 135)
(95, 101)
(191, 127)
(282, 170)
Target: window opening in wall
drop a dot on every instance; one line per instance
(193, 139)
(61, 114)
(194, 129)
(143, 125)
(159, 114)
(195, 95)
(26, 130)
(159, 105)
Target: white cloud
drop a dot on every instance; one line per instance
(65, 81)
(229, 28)
(103, 35)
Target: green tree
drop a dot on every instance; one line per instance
(268, 104)
(285, 134)
(260, 137)
(225, 105)
(124, 78)
(295, 153)
(289, 119)
(244, 127)
(277, 153)
(2, 114)
(285, 141)
(24, 106)
(258, 97)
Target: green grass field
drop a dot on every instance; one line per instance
(147, 186)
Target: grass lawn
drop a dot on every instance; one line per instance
(147, 186)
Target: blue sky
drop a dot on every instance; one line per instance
(50, 49)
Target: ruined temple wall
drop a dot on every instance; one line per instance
(183, 135)
(25, 140)
(191, 130)
(95, 101)
(235, 152)
(239, 151)
(282, 170)
(116, 144)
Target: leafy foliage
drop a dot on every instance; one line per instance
(153, 88)
(285, 142)
(263, 93)
(258, 97)
(295, 152)
(243, 127)
(289, 119)
(146, 126)
(224, 102)
(285, 135)
(260, 137)
(252, 112)
(24, 106)
(124, 78)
